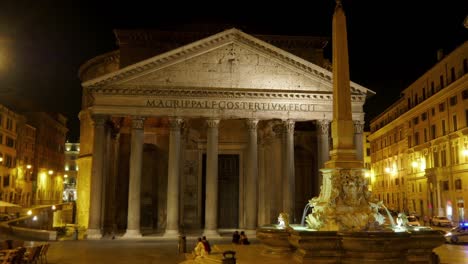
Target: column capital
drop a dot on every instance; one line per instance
(323, 126)
(212, 123)
(251, 124)
(99, 120)
(138, 122)
(289, 125)
(358, 126)
(175, 123)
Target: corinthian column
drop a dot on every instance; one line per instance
(211, 203)
(173, 179)
(358, 140)
(323, 150)
(95, 208)
(136, 153)
(289, 187)
(252, 174)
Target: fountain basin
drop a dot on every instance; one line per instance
(383, 246)
(275, 241)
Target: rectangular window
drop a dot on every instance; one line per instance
(445, 185)
(442, 107)
(409, 142)
(443, 156)
(425, 135)
(432, 88)
(453, 100)
(416, 138)
(433, 111)
(424, 93)
(465, 94)
(436, 159)
(6, 180)
(452, 74)
(433, 131)
(444, 130)
(10, 142)
(424, 116)
(455, 125)
(458, 184)
(416, 120)
(441, 81)
(466, 118)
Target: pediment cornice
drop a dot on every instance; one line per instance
(210, 43)
(220, 93)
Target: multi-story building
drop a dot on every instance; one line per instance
(49, 159)
(25, 160)
(8, 139)
(419, 145)
(72, 150)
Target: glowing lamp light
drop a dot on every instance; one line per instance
(28, 166)
(51, 172)
(34, 218)
(53, 207)
(464, 152)
(29, 212)
(388, 170)
(367, 174)
(65, 176)
(414, 164)
(1, 159)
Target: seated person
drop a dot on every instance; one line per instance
(235, 237)
(243, 239)
(199, 250)
(206, 244)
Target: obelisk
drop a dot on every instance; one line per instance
(343, 154)
(343, 203)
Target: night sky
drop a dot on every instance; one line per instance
(43, 43)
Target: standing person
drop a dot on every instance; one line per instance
(243, 239)
(206, 244)
(235, 237)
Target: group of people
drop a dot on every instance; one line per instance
(240, 239)
(202, 248)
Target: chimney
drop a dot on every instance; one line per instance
(440, 54)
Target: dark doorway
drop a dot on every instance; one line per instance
(228, 191)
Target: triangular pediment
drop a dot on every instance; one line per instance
(230, 60)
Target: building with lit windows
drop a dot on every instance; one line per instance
(72, 150)
(8, 137)
(26, 145)
(49, 157)
(419, 145)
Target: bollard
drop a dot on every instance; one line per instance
(182, 244)
(229, 257)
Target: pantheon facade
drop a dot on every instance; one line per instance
(197, 131)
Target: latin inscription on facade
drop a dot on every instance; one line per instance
(229, 105)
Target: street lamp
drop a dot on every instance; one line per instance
(51, 172)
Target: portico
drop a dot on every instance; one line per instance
(226, 129)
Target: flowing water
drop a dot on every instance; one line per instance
(390, 217)
(304, 214)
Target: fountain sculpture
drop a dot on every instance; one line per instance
(345, 225)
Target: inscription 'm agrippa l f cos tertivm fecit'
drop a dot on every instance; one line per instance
(229, 105)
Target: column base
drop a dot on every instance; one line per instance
(130, 234)
(171, 234)
(93, 234)
(211, 234)
(251, 233)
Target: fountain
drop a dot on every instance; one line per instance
(345, 225)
